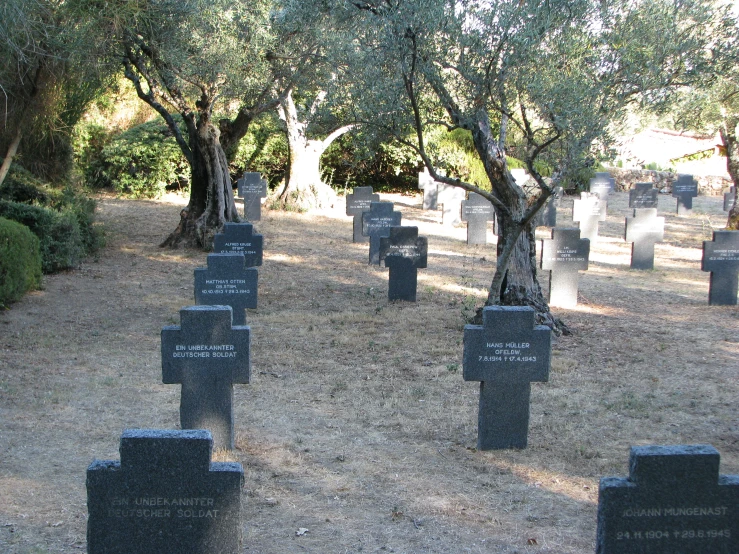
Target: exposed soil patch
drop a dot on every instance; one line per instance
(357, 424)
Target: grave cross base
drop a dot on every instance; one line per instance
(503, 416)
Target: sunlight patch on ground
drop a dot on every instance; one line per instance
(579, 489)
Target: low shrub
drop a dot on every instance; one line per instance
(20, 261)
(61, 242)
(141, 162)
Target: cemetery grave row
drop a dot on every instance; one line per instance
(166, 495)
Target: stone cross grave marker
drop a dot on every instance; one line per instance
(477, 211)
(404, 253)
(602, 185)
(207, 355)
(674, 501)
(685, 189)
(564, 255)
(588, 210)
(240, 238)
(643, 195)
(643, 230)
(450, 198)
(547, 216)
(505, 354)
(357, 203)
(427, 184)
(227, 282)
(164, 496)
(729, 199)
(252, 188)
(721, 258)
(520, 175)
(376, 224)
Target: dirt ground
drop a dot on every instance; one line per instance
(357, 425)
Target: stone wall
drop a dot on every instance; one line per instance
(625, 178)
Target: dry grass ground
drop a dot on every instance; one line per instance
(357, 424)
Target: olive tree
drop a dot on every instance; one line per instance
(713, 105)
(560, 71)
(47, 79)
(213, 62)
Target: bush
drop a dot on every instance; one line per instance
(62, 246)
(20, 261)
(141, 162)
(20, 186)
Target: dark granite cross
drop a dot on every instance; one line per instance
(674, 501)
(252, 188)
(547, 216)
(207, 355)
(404, 253)
(477, 211)
(685, 189)
(165, 496)
(588, 210)
(240, 238)
(376, 224)
(643, 195)
(506, 353)
(729, 199)
(643, 230)
(227, 281)
(356, 204)
(564, 255)
(721, 258)
(602, 185)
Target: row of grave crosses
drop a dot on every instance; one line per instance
(193, 504)
(165, 495)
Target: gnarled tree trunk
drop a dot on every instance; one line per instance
(211, 193)
(731, 143)
(515, 282)
(304, 188)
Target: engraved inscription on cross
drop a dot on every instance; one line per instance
(252, 188)
(643, 195)
(684, 189)
(506, 353)
(164, 496)
(588, 210)
(643, 230)
(477, 211)
(721, 258)
(674, 500)
(207, 355)
(227, 281)
(357, 203)
(564, 255)
(376, 224)
(240, 238)
(404, 252)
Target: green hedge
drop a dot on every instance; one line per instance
(20, 261)
(62, 245)
(63, 219)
